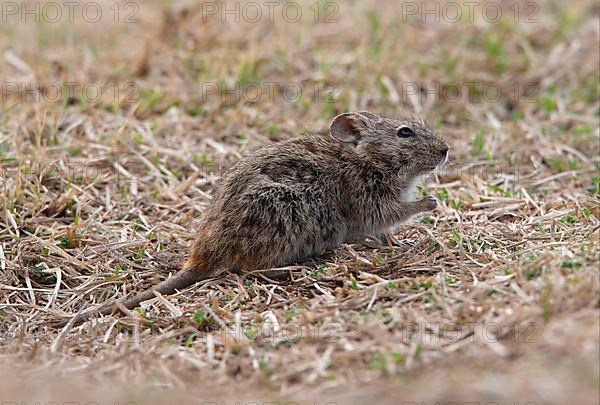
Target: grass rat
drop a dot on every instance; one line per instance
(295, 199)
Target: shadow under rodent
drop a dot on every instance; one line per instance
(296, 199)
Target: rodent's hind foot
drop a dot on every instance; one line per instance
(387, 239)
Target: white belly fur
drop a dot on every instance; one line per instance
(409, 194)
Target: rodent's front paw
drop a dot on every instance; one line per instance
(430, 202)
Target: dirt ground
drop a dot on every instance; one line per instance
(116, 125)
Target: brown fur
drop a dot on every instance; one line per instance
(296, 199)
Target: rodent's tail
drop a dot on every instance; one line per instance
(184, 278)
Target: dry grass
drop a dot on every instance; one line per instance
(494, 296)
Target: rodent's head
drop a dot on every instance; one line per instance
(407, 146)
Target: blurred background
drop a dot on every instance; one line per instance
(117, 118)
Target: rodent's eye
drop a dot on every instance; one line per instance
(405, 132)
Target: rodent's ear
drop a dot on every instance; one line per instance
(370, 115)
(348, 127)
